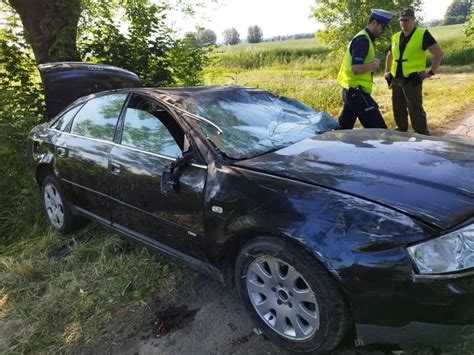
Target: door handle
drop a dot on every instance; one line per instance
(114, 168)
(61, 152)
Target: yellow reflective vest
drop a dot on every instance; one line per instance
(414, 57)
(346, 78)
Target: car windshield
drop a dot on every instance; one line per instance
(254, 121)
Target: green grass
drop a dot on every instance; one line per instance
(447, 33)
(457, 49)
(58, 305)
(297, 44)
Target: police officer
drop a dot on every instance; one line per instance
(406, 65)
(355, 75)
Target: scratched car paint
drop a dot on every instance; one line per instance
(326, 234)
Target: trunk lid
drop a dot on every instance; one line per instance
(65, 82)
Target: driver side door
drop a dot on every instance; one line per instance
(150, 140)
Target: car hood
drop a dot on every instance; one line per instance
(429, 178)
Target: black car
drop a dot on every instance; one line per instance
(325, 233)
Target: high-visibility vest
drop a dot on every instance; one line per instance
(346, 78)
(414, 57)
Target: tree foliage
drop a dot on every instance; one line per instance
(21, 107)
(342, 19)
(255, 34)
(231, 36)
(457, 12)
(147, 47)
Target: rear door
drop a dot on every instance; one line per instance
(151, 139)
(82, 153)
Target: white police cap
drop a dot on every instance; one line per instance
(382, 15)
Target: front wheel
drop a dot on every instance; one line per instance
(291, 296)
(57, 208)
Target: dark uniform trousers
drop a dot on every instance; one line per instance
(359, 104)
(406, 94)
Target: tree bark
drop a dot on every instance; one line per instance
(50, 28)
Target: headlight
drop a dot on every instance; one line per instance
(449, 253)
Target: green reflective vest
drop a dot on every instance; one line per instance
(346, 78)
(414, 57)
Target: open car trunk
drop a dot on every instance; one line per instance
(65, 82)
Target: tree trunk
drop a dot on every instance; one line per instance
(50, 28)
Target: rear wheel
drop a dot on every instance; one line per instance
(291, 296)
(57, 209)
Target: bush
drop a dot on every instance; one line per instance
(21, 108)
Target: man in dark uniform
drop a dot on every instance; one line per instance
(405, 68)
(355, 75)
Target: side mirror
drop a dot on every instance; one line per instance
(172, 172)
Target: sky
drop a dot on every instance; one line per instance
(275, 17)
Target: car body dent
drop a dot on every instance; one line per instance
(390, 168)
(344, 233)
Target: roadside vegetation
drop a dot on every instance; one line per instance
(59, 294)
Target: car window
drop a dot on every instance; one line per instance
(98, 118)
(143, 129)
(63, 121)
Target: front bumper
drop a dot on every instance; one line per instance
(415, 333)
(434, 310)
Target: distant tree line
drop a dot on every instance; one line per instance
(458, 12)
(290, 37)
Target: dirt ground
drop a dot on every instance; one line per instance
(465, 128)
(203, 317)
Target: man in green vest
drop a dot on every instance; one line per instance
(405, 68)
(355, 75)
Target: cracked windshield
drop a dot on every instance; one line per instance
(255, 122)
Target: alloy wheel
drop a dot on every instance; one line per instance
(282, 298)
(54, 205)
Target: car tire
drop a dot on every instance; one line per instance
(291, 296)
(57, 209)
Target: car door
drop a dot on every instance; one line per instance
(151, 139)
(82, 154)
